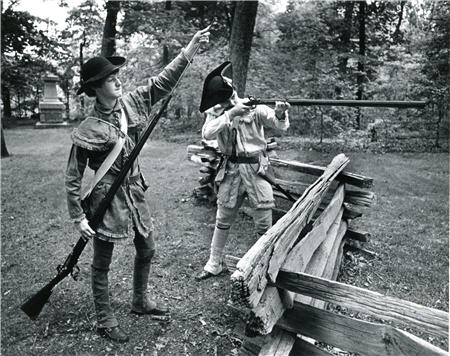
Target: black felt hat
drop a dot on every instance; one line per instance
(97, 68)
(215, 88)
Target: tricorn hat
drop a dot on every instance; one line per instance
(215, 88)
(97, 68)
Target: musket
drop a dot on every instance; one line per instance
(33, 305)
(331, 102)
(280, 188)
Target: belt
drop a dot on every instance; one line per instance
(109, 178)
(244, 159)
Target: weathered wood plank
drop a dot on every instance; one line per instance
(274, 303)
(269, 309)
(332, 260)
(363, 236)
(426, 319)
(251, 346)
(334, 232)
(208, 170)
(305, 348)
(301, 253)
(351, 213)
(209, 178)
(359, 197)
(283, 245)
(278, 343)
(344, 177)
(231, 262)
(317, 263)
(332, 264)
(354, 335)
(194, 149)
(354, 245)
(338, 263)
(264, 258)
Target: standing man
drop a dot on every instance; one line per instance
(239, 130)
(103, 141)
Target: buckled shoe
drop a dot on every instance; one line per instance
(114, 333)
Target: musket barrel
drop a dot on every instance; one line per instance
(353, 103)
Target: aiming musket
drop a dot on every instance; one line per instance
(332, 102)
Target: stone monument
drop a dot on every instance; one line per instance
(51, 109)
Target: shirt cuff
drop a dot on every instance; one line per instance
(79, 219)
(282, 118)
(183, 52)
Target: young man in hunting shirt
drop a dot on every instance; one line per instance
(116, 115)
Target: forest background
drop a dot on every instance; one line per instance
(296, 49)
(300, 49)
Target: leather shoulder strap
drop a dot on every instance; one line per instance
(108, 162)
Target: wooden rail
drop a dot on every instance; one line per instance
(287, 278)
(355, 335)
(362, 300)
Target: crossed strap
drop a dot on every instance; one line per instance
(108, 162)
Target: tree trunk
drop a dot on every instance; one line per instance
(230, 16)
(36, 100)
(397, 35)
(165, 55)
(82, 44)
(361, 60)
(67, 104)
(346, 35)
(168, 5)
(241, 41)
(19, 106)
(4, 152)
(6, 98)
(109, 31)
(438, 124)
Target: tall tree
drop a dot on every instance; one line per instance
(361, 58)
(4, 149)
(241, 41)
(346, 35)
(109, 30)
(82, 35)
(27, 53)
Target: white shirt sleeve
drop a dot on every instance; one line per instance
(268, 118)
(214, 124)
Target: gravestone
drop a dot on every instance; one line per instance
(51, 109)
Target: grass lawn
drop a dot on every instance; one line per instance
(408, 223)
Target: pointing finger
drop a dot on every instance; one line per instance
(206, 29)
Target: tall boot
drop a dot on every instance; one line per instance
(107, 325)
(105, 314)
(215, 264)
(263, 221)
(142, 304)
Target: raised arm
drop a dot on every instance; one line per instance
(162, 84)
(216, 121)
(277, 118)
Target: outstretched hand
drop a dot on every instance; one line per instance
(201, 36)
(239, 109)
(280, 108)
